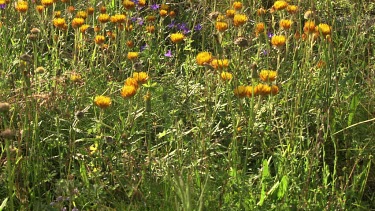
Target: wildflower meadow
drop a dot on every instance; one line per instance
(187, 105)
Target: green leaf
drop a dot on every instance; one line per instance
(3, 204)
(283, 187)
(353, 107)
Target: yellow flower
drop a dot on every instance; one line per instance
(237, 5)
(177, 37)
(280, 5)
(325, 29)
(102, 101)
(75, 77)
(278, 40)
(132, 55)
(172, 14)
(40, 9)
(292, 9)
(128, 91)
(140, 77)
(240, 91)
(81, 14)
(131, 82)
(249, 91)
(128, 4)
(22, 6)
(163, 13)
(59, 22)
(150, 29)
(262, 89)
(203, 58)
(261, 11)
(221, 26)
(47, 2)
(226, 76)
(120, 18)
(90, 10)
(99, 39)
(84, 27)
(267, 75)
(274, 89)
(309, 27)
(259, 28)
(219, 63)
(285, 24)
(142, 3)
(230, 13)
(77, 22)
(164, 7)
(130, 43)
(150, 18)
(239, 19)
(103, 18)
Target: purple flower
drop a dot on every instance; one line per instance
(2, 6)
(264, 52)
(155, 6)
(138, 20)
(135, 1)
(168, 54)
(172, 24)
(144, 47)
(198, 27)
(269, 34)
(183, 27)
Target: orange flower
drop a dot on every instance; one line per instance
(278, 40)
(128, 91)
(237, 5)
(239, 19)
(221, 26)
(131, 82)
(285, 24)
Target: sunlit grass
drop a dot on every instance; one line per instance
(187, 105)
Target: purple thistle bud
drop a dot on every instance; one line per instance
(198, 27)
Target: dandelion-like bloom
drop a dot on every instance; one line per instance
(262, 89)
(77, 22)
(102, 101)
(150, 29)
(84, 28)
(103, 9)
(226, 76)
(75, 77)
(56, 14)
(22, 6)
(249, 91)
(278, 40)
(285, 24)
(172, 14)
(230, 13)
(177, 37)
(219, 63)
(141, 3)
(40, 9)
(47, 2)
(267, 75)
(132, 55)
(239, 19)
(128, 91)
(221, 26)
(292, 9)
(128, 4)
(150, 18)
(163, 13)
(237, 5)
(274, 90)
(203, 58)
(261, 11)
(103, 18)
(99, 39)
(90, 10)
(81, 14)
(131, 82)
(280, 5)
(323, 28)
(130, 43)
(240, 91)
(140, 77)
(59, 22)
(259, 28)
(309, 27)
